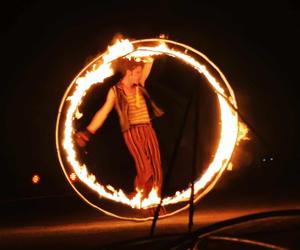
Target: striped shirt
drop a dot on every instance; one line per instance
(137, 114)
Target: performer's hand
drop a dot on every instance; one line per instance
(83, 137)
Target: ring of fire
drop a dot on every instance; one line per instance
(95, 73)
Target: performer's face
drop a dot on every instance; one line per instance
(136, 74)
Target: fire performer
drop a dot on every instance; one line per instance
(135, 110)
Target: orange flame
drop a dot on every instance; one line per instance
(243, 133)
(229, 125)
(35, 179)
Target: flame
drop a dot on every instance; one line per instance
(73, 177)
(230, 166)
(145, 52)
(243, 133)
(230, 127)
(35, 179)
(242, 136)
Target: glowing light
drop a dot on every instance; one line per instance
(231, 131)
(35, 179)
(243, 133)
(230, 166)
(73, 177)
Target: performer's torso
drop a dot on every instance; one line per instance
(137, 111)
(129, 112)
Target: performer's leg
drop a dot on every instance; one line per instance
(155, 153)
(155, 158)
(134, 141)
(142, 144)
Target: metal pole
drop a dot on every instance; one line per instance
(171, 167)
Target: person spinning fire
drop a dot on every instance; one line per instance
(135, 109)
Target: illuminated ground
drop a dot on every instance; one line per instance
(38, 224)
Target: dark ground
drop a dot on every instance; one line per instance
(66, 221)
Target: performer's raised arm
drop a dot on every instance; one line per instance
(148, 62)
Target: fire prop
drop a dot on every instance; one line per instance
(100, 69)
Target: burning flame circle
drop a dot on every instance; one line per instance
(95, 73)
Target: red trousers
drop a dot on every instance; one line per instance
(143, 145)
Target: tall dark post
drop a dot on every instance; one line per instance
(171, 167)
(194, 162)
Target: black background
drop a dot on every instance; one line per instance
(45, 45)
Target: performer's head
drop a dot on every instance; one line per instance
(131, 70)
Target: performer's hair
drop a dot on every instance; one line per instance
(124, 64)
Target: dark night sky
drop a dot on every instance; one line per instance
(45, 45)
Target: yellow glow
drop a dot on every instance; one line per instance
(35, 179)
(243, 133)
(229, 136)
(73, 177)
(230, 166)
